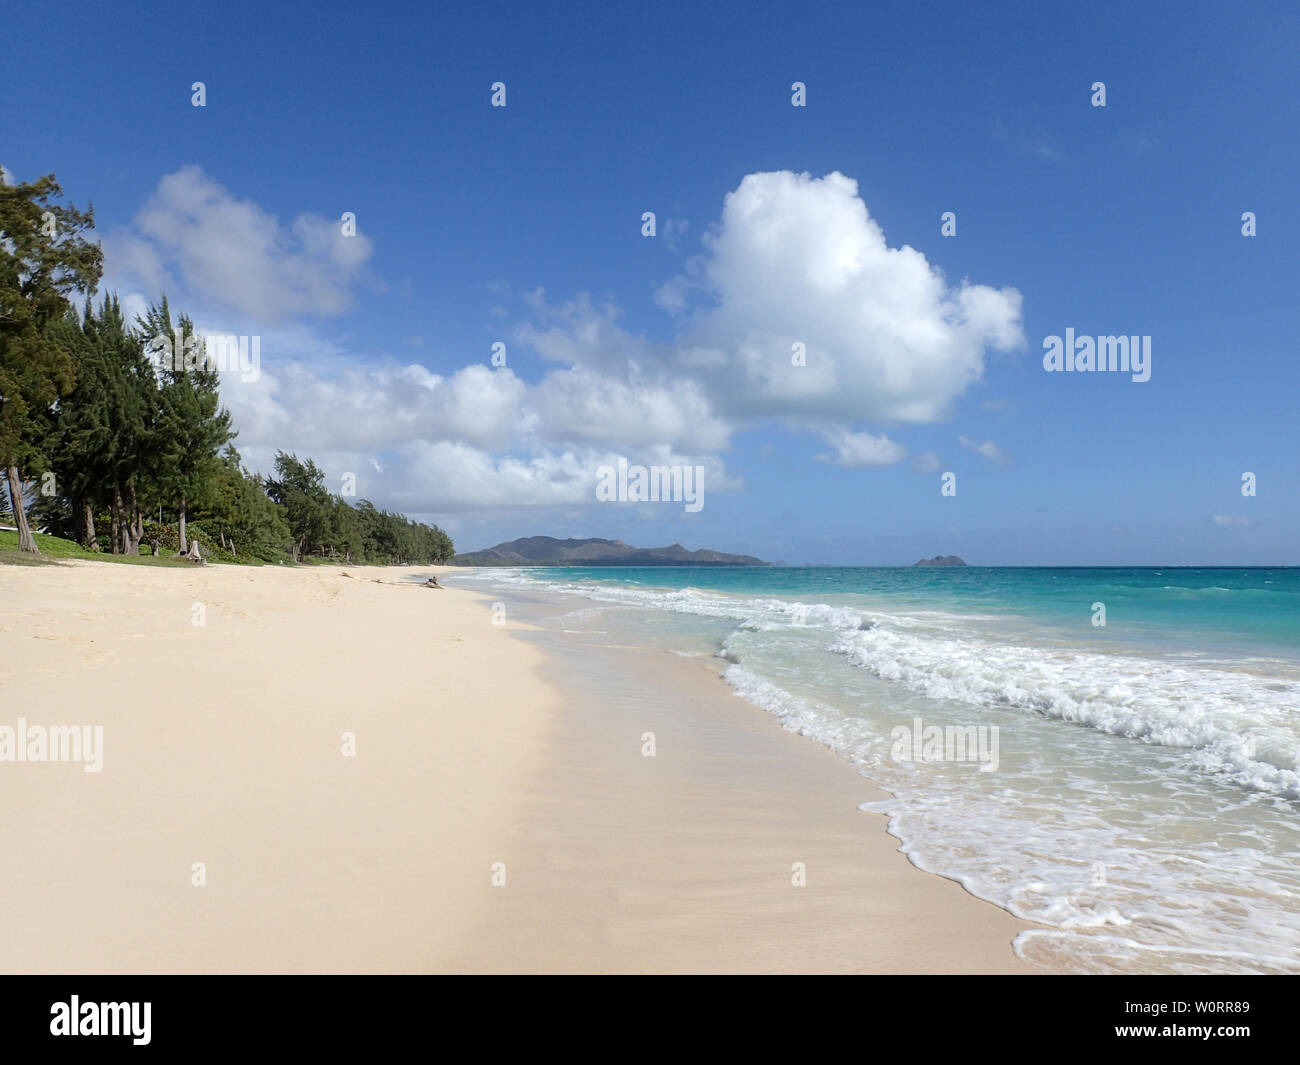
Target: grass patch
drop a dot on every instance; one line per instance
(54, 548)
(14, 557)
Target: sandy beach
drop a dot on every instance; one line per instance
(224, 744)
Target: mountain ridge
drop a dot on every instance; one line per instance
(594, 551)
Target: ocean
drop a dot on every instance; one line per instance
(1111, 753)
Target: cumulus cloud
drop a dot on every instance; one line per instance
(582, 333)
(462, 478)
(479, 438)
(236, 254)
(583, 406)
(377, 408)
(988, 450)
(797, 259)
(863, 449)
(797, 313)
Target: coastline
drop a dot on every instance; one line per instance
(475, 745)
(682, 862)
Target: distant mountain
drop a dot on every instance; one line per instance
(548, 551)
(940, 560)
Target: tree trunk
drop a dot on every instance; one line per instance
(121, 522)
(137, 522)
(78, 522)
(26, 541)
(132, 526)
(180, 530)
(115, 521)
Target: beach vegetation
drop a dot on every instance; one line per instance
(114, 449)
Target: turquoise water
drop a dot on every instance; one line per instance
(1132, 786)
(1251, 610)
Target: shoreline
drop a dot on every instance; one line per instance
(685, 864)
(475, 744)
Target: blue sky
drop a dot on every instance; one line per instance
(523, 225)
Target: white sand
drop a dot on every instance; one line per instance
(222, 745)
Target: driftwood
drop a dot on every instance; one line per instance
(432, 582)
(193, 554)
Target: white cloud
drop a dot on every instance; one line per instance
(674, 230)
(377, 408)
(1230, 519)
(672, 294)
(583, 334)
(463, 478)
(479, 438)
(792, 260)
(988, 449)
(800, 259)
(582, 406)
(235, 254)
(863, 449)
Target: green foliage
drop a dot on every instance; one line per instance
(192, 426)
(52, 514)
(103, 438)
(44, 259)
(168, 540)
(241, 512)
(326, 526)
(128, 420)
(299, 487)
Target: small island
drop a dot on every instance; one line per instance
(940, 560)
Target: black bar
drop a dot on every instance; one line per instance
(1039, 1015)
